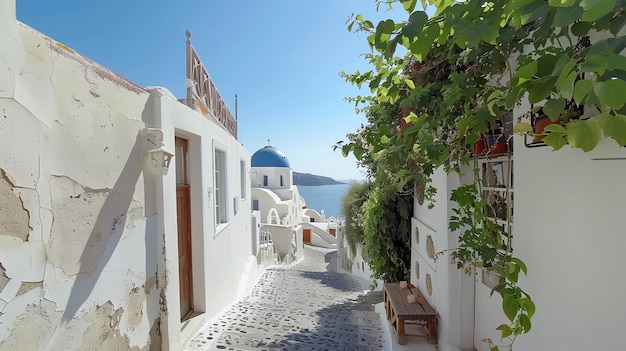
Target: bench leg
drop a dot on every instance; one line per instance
(432, 331)
(400, 331)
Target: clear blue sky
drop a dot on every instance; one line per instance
(283, 59)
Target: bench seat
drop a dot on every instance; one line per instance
(400, 310)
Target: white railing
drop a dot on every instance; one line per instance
(202, 93)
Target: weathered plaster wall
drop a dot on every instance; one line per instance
(74, 272)
(88, 236)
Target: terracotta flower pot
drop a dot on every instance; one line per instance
(540, 124)
(480, 147)
(499, 147)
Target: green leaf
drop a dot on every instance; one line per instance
(614, 127)
(520, 264)
(523, 128)
(581, 28)
(527, 71)
(561, 3)
(385, 27)
(384, 139)
(617, 23)
(565, 16)
(529, 306)
(554, 108)
(509, 306)
(595, 9)
(524, 321)
(584, 134)
(505, 329)
(345, 150)
(541, 89)
(555, 128)
(581, 89)
(358, 152)
(596, 64)
(567, 85)
(409, 5)
(611, 93)
(409, 83)
(555, 140)
(415, 25)
(545, 64)
(615, 62)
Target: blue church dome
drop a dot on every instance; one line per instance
(269, 156)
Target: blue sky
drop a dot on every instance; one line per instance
(282, 58)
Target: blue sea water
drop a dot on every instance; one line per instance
(324, 197)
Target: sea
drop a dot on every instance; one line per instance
(324, 197)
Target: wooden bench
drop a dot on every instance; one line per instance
(400, 310)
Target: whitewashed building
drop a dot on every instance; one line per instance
(569, 228)
(105, 244)
(282, 210)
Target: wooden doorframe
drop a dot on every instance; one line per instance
(183, 214)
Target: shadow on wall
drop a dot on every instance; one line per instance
(110, 223)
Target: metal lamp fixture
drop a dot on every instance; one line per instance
(153, 150)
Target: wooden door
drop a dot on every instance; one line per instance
(306, 235)
(183, 212)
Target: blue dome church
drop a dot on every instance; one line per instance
(270, 169)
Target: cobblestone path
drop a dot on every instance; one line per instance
(302, 307)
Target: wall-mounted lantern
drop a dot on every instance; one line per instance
(153, 150)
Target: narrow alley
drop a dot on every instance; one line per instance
(307, 306)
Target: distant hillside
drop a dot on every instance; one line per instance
(308, 179)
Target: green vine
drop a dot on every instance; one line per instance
(464, 67)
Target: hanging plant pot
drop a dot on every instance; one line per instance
(498, 145)
(480, 147)
(540, 124)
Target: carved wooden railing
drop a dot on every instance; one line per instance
(202, 93)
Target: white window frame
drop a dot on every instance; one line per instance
(244, 175)
(220, 185)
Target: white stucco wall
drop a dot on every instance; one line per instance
(88, 235)
(568, 229)
(273, 176)
(449, 286)
(569, 225)
(220, 252)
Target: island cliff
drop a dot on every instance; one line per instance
(308, 179)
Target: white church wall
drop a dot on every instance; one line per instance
(273, 175)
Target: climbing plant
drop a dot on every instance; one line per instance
(387, 238)
(353, 212)
(465, 65)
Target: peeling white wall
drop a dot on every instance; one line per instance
(88, 236)
(72, 229)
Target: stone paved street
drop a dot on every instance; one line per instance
(308, 306)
